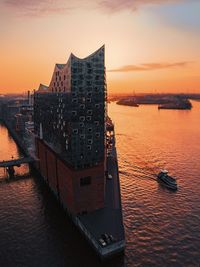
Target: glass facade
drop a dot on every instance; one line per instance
(72, 111)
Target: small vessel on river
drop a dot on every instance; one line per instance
(180, 104)
(167, 180)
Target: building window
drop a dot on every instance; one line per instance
(88, 65)
(82, 106)
(85, 181)
(88, 83)
(88, 118)
(74, 70)
(89, 112)
(82, 118)
(74, 82)
(74, 94)
(89, 93)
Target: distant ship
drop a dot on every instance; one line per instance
(179, 104)
(128, 102)
(167, 180)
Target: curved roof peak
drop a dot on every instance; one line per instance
(43, 87)
(91, 55)
(60, 66)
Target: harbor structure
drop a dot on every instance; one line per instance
(71, 114)
(74, 148)
(67, 136)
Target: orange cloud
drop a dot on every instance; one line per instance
(149, 66)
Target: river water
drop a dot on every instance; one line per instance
(162, 227)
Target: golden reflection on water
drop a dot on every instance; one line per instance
(158, 221)
(9, 150)
(162, 227)
(146, 135)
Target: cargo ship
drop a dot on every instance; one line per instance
(128, 102)
(181, 104)
(72, 135)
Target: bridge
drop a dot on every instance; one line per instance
(15, 162)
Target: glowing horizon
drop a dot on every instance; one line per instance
(151, 45)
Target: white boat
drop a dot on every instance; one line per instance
(167, 180)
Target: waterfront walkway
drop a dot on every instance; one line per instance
(107, 220)
(16, 162)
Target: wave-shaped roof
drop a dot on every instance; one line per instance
(58, 66)
(91, 55)
(43, 87)
(61, 66)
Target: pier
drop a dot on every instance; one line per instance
(10, 164)
(16, 162)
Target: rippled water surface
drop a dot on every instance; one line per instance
(162, 227)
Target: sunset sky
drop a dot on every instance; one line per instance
(151, 45)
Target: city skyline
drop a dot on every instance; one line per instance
(151, 46)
